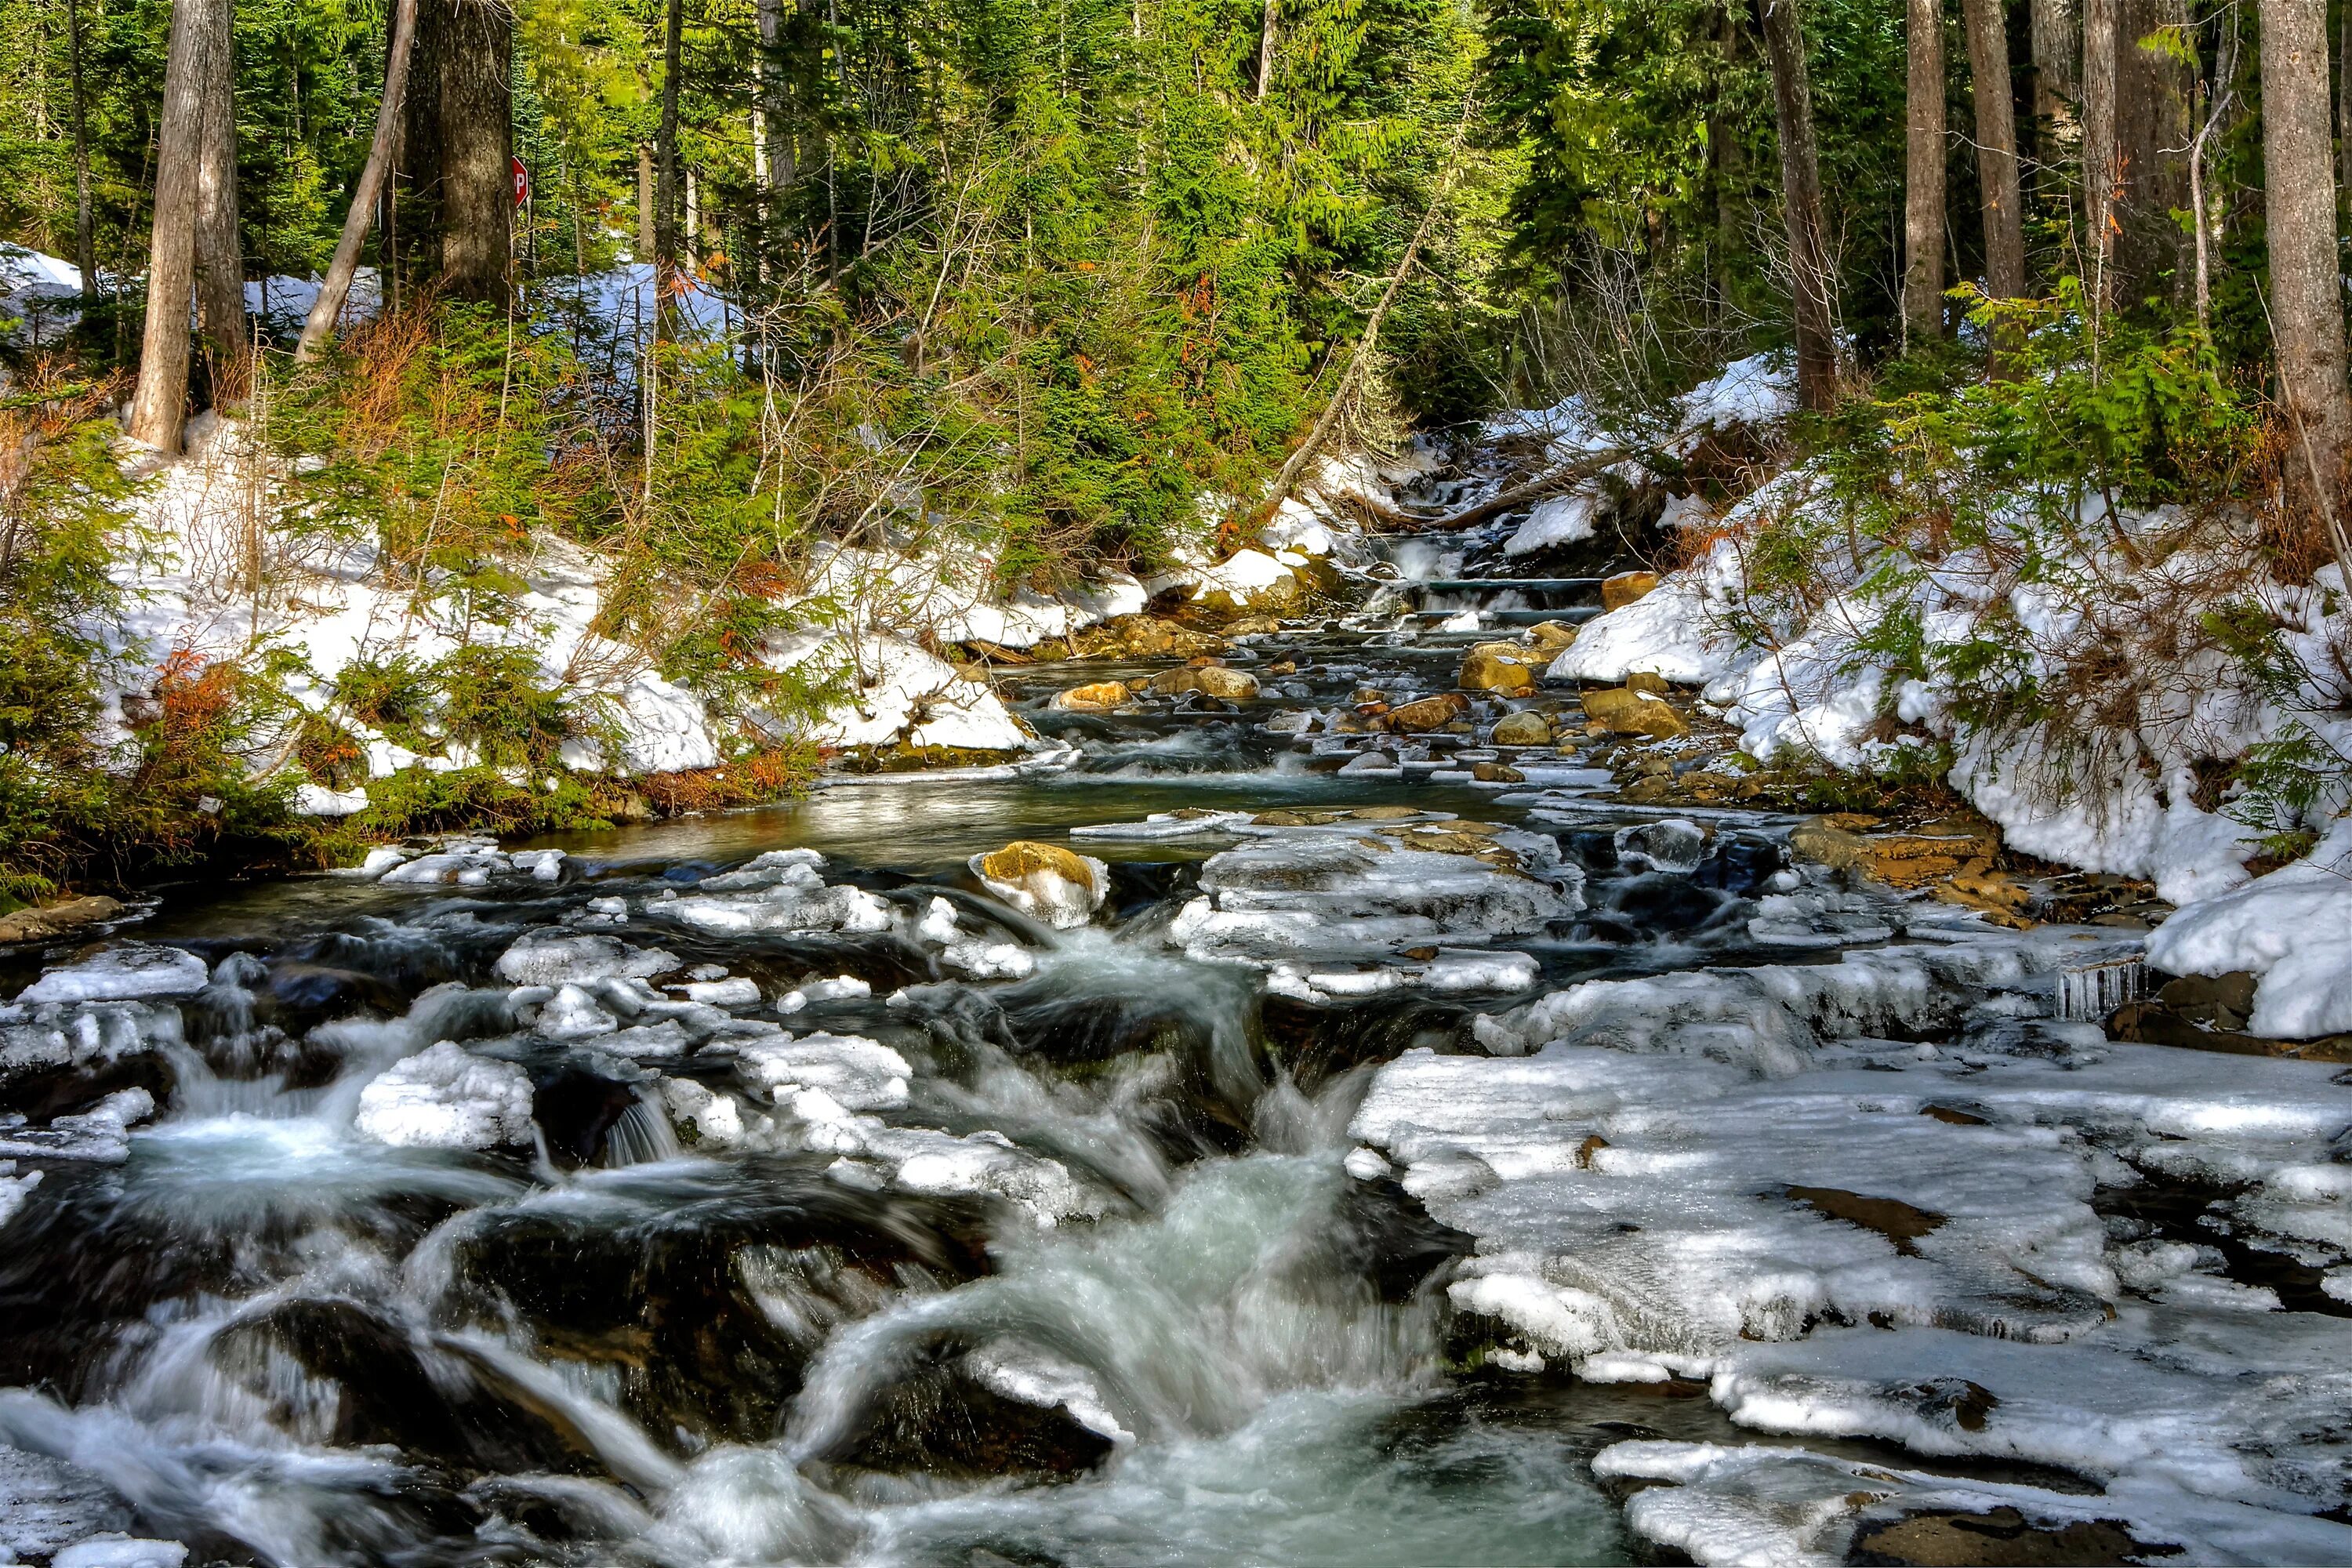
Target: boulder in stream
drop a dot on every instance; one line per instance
(1630, 712)
(1046, 881)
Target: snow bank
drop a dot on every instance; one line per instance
(2293, 928)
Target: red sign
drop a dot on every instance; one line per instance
(521, 182)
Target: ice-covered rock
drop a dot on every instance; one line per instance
(554, 958)
(1670, 844)
(15, 1188)
(783, 889)
(851, 1072)
(1046, 881)
(1311, 890)
(119, 974)
(445, 1096)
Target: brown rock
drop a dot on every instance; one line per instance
(1522, 730)
(1385, 813)
(1497, 773)
(1046, 881)
(37, 925)
(1624, 589)
(1216, 680)
(1648, 680)
(1498, 667)
(2003, 1536)
(1099, 697)
(1633, 713)
(1429, 713)
(1550, 640)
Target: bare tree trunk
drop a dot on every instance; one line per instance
(159, 406)
(2153, 89)
(644, 202)
(1266, 47)
(478, 152)
(665, 180)
(85, 230)
(2099, 171)
(2057, 42)
(2004, 222)
(1811, 287)
(324, 310)
(2343, 107)
(1728, 161)
(2299, 210)
(220, 257)
(1923, 188)
(776, 99)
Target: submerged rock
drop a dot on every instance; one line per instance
(1046, 881)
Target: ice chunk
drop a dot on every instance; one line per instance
(15, 1189)
(544, 864)
(448, 1098)
(550, 958)
(119, 973)
(120, 1552)
(737, 992)
(856, 1073)
(781, 891)
(574, 1015)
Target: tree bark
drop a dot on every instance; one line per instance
(85, 230)
(644, 202)
(2098, 144)
(665, 180)
(1923, 189)
(382, 152)
(220, 257)
(1728, 160)
(1265, 47)
(1996, 108)
(1811, 287)
(2152, 134)
(776, 101)
(2299, 210)
(159, 405)
(477, 206)
(2057, 38)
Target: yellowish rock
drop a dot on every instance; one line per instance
(1497, 773)
(1044, 881)
(1097, 698)
(1429, 713)
(1624, 589)
(1214, 679)
(1548, 639)
(1498, 667)
(1630, 712)
(1648, 680)
(1523, 730)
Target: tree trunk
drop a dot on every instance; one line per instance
(476, 205)
(776, 99)
(2098, 144)
(644, 202)
(1996, 108)
(159, 406)
(2299, 211)
(2057, 43)
(382, 152)
(1266, 47)
(85, 231)
(2343, 108)
(220, 257)
(1923, 189)
(1727, 159)
(665, 180)
(1814, 301)
(2152, 134)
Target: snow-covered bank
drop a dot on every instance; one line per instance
(869, 620)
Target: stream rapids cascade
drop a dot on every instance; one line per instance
(1225, 1177)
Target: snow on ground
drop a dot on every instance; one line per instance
(1734, 1176)
(2293, 928)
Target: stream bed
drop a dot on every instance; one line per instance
(777, 1188)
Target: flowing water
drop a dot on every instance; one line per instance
(285, 1343)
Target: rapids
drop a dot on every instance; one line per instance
(1071, 1262)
